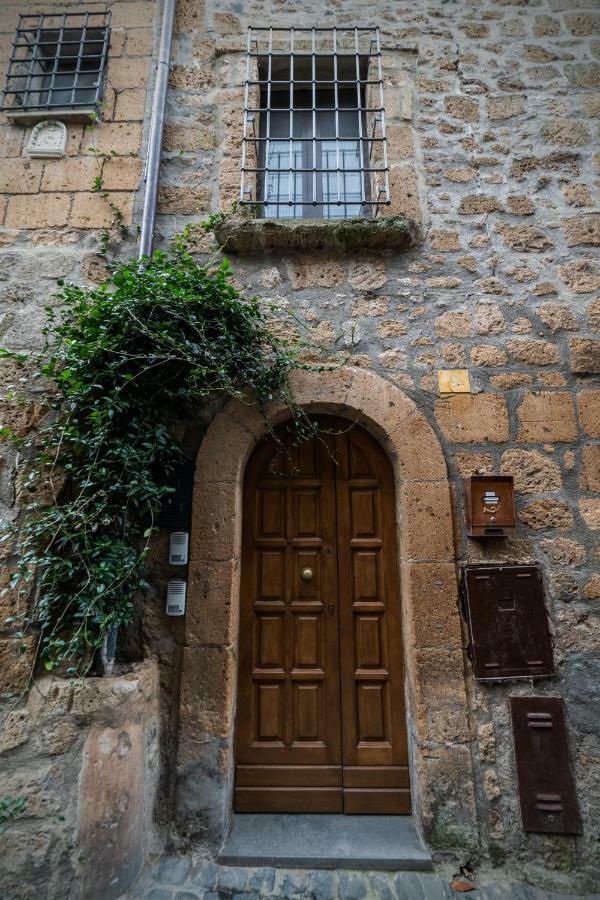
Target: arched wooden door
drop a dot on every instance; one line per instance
(321, 724)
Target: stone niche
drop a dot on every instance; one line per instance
(84, 756)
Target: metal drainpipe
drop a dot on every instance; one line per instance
(157, 120)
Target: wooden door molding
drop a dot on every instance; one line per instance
(438, 714)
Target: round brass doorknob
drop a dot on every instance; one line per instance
(307, 574)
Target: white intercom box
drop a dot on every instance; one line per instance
(176, 590)
(178, 548)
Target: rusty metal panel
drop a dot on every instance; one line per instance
(546, 786)
(508, 622)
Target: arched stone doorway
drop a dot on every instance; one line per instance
(438, 726)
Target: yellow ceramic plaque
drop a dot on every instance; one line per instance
(454, 381)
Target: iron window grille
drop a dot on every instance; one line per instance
(57, 60)
(313, 142)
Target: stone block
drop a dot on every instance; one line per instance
(426, 528)
(132, 14)
(584, 74)
(320, 272)
(590, 467)
(546, 416)
(444, 240)
(479, 205)
(20, 176)
(467, 463)
(525, 238)
(546, 514)
(140, 42)
(462, 107)
(505, 107)
(438, 685)
(215, 520)
(122, 138)
(38, 211)
(111, 820)
(588, 404)
(367, 276)
(585, 356)
(593, 315)
(190, 138)
(454, 324)
(473, 418)
(557, 317)
(70, 174)
(488, 356)
(534, 352)
(213, 607)
(122, 174)
(207, 687)
(11, 141)
(404, 192)
(130, 105)
(430, 600)
(589, 509)
(90, 210)
(418, 450)
(489, 318)
(564, 551)
(16, 660)
(533, 471)
(183, 201)
(582, 231)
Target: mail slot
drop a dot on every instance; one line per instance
(489, 505)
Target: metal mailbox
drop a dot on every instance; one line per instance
(489, 505)
(546, 787)
(505, 609)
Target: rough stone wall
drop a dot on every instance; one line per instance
(505, 284)
(50, 228)
(502, 137)
(85, 757)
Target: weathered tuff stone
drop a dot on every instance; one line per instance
(367, 276)
(557, 317)
(580, 275)
(525, 238)
(590, 467)
(593, 315)
(478, 204)
(534, 353)
(468, 463)
(315, 272)
(488, 356)
(533, 471)
(489, 318)
(245, 235)
(546, 514)
(583, 230)
(461, 107)
(589, 508)
(585, 356)
(546, 416)
(588, 403)
(505, 107)
(563, 551)
(467, 418)
(454, 324)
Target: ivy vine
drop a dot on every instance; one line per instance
(124, 359)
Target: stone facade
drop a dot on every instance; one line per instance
(494, 110)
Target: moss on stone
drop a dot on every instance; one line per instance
(243, 234)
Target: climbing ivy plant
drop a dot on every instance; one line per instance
(125, 358)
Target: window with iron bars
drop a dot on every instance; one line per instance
(313, 143)
(57, 61)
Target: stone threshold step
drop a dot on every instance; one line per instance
(324, 842)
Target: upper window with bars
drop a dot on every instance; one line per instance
(57, 60)
(313, 143)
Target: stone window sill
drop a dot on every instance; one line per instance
(61, 113)
(245, 235)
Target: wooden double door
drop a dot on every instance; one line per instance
(321, 723)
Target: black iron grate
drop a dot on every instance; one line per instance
(57, 60)
(313, 142)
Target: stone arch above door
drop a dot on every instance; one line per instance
(438, 718)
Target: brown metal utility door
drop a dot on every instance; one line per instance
(321, 724)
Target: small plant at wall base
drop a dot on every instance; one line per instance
(124, 359)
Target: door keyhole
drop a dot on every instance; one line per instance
(331, 608)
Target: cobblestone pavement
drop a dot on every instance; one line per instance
(180, 878)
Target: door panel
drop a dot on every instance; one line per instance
(320, 713)
(288, 711)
